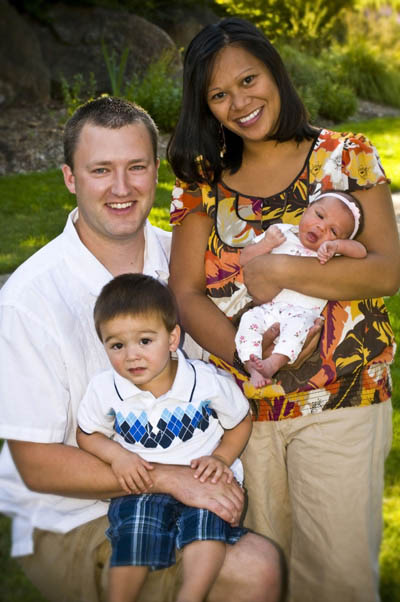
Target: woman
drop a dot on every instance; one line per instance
(246, 157)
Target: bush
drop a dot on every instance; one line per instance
(77, 91)
(308, 25)
(159, 92)
(318, 87)
(372, 73)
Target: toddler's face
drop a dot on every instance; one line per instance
(324, 220)
(139, 349)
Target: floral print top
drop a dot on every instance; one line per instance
(350, 367)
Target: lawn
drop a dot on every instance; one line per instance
(34, 210)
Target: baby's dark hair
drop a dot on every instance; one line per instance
(352, 199)
(135, 294)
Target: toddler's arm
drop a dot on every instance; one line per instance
(230, 447)
(129, 468)
(272, 238)
(346, 247)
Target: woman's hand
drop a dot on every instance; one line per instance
(309, 347)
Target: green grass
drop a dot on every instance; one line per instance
(390, 557)
(384, 132)
(35, 206)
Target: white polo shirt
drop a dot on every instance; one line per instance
(49, 351)
(185, 423)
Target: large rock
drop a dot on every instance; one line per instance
(183, 23)
(23, 73)
(72, 42)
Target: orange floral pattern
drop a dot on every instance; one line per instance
(351, 365)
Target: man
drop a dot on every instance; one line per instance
(50, 350)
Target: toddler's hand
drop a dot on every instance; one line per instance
(327, 250)
(207, 466)
(132, 472)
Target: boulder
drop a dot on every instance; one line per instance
(71, 43)
(23, 73)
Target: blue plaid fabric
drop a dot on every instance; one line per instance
(146, 529)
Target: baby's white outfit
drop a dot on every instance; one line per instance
(294, 311)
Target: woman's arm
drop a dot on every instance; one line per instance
(198, 314)
(344, 278)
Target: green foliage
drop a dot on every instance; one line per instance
(115, 68)
(77, 91)
(309, 24)
(373, 75)
(320, 91)
(158, 92)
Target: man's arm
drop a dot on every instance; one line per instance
(71, 472)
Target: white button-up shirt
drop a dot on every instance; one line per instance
(49, 351)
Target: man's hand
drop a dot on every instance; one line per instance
(210, 467)
(223, 498)
(132, 471)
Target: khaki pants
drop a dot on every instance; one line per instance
(315, 485)
(73, 567)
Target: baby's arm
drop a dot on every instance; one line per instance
(129, 468)
(346, 247)
(230, 447)
(272, 238)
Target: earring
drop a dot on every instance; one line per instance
(222, 141)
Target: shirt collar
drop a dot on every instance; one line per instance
(181, 389)
(94, 273)
(156, 262)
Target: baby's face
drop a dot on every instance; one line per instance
(324, 220)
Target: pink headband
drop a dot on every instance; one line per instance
(352, 206)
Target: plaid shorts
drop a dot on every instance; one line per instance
(146, 529)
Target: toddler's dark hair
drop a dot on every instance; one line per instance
(135, 294)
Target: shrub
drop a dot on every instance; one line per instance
(372, 73)
(309, 25)
(317, 85)
(158, 91)
(77, 91)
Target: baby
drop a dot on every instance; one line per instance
(327, 228)
(150, 408)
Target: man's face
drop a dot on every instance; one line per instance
(114, 179)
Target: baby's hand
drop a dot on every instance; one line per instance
(274, 237)
(132, 472)
(205, 466)
(327, 250)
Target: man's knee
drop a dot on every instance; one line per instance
(254, 569)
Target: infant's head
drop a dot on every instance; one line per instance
(330, 216)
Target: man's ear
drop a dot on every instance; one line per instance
(174, 338)
(69, 178)
(157, 167)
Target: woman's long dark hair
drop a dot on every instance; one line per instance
(197, 133)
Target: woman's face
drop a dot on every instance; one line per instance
(243, 95)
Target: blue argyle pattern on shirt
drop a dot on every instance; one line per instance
(174, 424)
